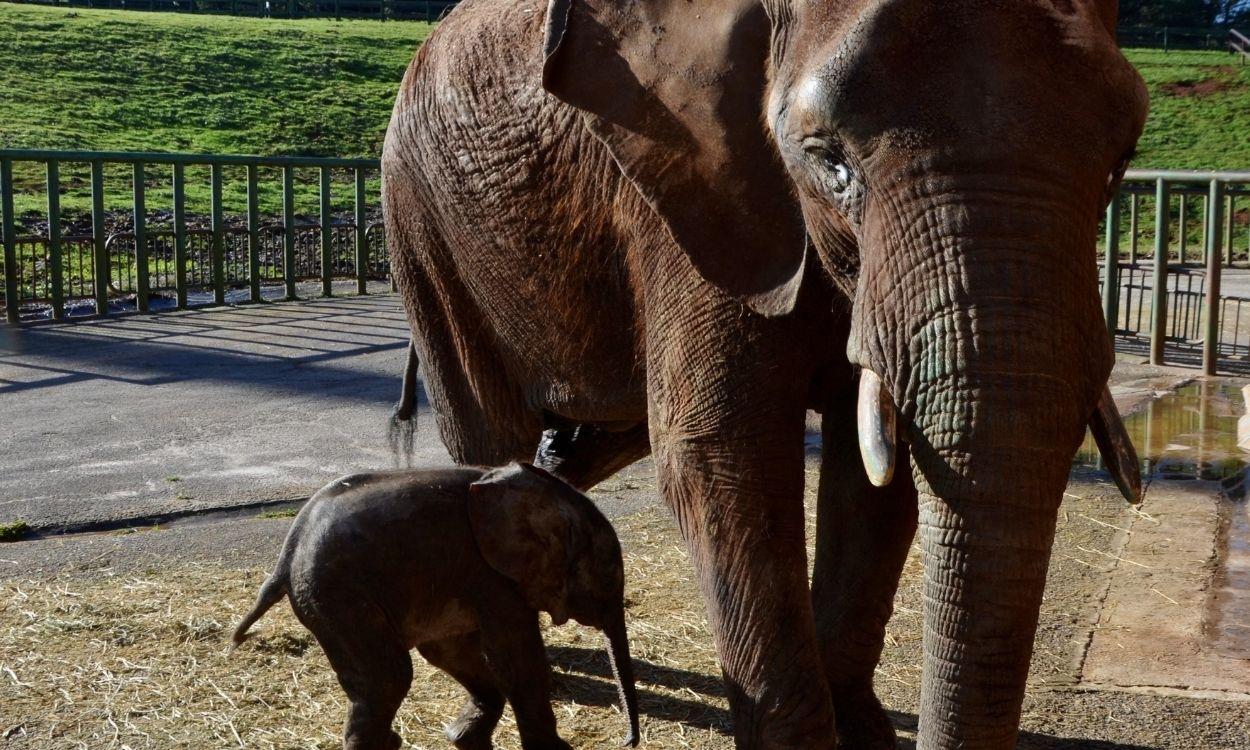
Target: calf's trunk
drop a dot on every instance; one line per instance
(623, 670)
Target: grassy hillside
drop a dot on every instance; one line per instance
(1199, 110)
(166, 81)
(94, 79)
(117, 80)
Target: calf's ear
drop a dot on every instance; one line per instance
(525, 533)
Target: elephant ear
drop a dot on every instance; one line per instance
(526, 533)
(675, 89)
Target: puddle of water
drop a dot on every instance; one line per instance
(1191, 433)
(1202, 431)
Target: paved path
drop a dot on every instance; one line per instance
(129, 417)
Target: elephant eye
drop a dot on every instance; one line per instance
(835, 174)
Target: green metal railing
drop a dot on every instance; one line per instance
(1159, 298)
(1175, 37)
(1174, 300)
(47, 268)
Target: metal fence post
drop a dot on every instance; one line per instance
(180, 234)
(1134, 201)
(12, 308)
(362, 242)
(141, 239)
(288, 230)
(1111, 270)
(1228, 228)
(98, 238)
(1159, 291)
(327, 236)
(219, 236)
(54, 239)
(1211, 342)
(1182, 240)
(253, 233)
(1205, 244)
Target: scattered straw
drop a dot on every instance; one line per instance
(119, 661)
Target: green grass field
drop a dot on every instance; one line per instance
(1199, 110)
(133, 81)
(117, 80)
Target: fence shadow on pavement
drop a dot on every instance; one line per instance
(291, 347)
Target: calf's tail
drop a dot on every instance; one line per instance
(275, 586)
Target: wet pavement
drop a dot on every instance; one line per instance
(1180, 594)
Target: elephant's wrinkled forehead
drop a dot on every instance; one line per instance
(1016, 73)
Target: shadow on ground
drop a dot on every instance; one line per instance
(285, 348)
(578, 664)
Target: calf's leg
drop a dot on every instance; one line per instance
(461, 657)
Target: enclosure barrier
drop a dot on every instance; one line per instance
(1169, 38)
(52, 266)
(1177, 303)
(1173, 300)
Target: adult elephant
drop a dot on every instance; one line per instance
(675, 225)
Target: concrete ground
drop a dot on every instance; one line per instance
(129, 418)
(119, 421)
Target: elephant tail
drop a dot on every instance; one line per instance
(276, 585)
(403, 424)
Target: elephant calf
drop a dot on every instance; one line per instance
(456, 562)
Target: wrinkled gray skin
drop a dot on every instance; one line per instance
(674, 225)
(456, 563)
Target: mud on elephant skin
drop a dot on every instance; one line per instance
(456, 563)
(707, 217)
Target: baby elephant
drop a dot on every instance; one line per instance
(456, 562)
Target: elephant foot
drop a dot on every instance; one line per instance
(473, 728)
(862, 721)
(387, 740)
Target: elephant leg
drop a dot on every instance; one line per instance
(462, 658)
(375, 671)
(586, 454)
(727, 421)
(514, 649)
(863, 534)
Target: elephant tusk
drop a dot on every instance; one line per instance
(876, 421)
(1116, 448)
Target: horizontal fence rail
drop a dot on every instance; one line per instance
(171, 257)
(1177, 37)
(1170, 237)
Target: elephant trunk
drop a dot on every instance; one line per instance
(980, 315)
(991, 446)
(623, 670)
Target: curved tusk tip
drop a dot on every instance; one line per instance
(880, 475)
(1116, 448)
(1131, 488)
(876, 423)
